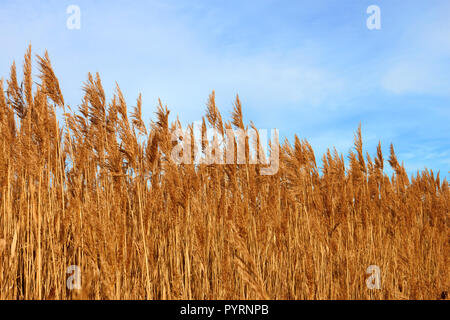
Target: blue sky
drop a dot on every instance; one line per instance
(311, 68)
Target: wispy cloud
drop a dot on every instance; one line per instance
(421, 64)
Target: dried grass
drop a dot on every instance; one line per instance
(102, 192)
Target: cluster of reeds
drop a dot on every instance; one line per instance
(98, 189)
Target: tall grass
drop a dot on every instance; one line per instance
(99, 190)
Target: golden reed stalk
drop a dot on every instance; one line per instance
(101, 192)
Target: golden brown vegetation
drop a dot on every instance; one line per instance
(100, 191)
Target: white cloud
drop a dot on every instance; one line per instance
(417, 75)
(422, 64)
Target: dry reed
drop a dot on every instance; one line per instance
(102, 192)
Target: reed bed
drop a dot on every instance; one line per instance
(97, 188)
